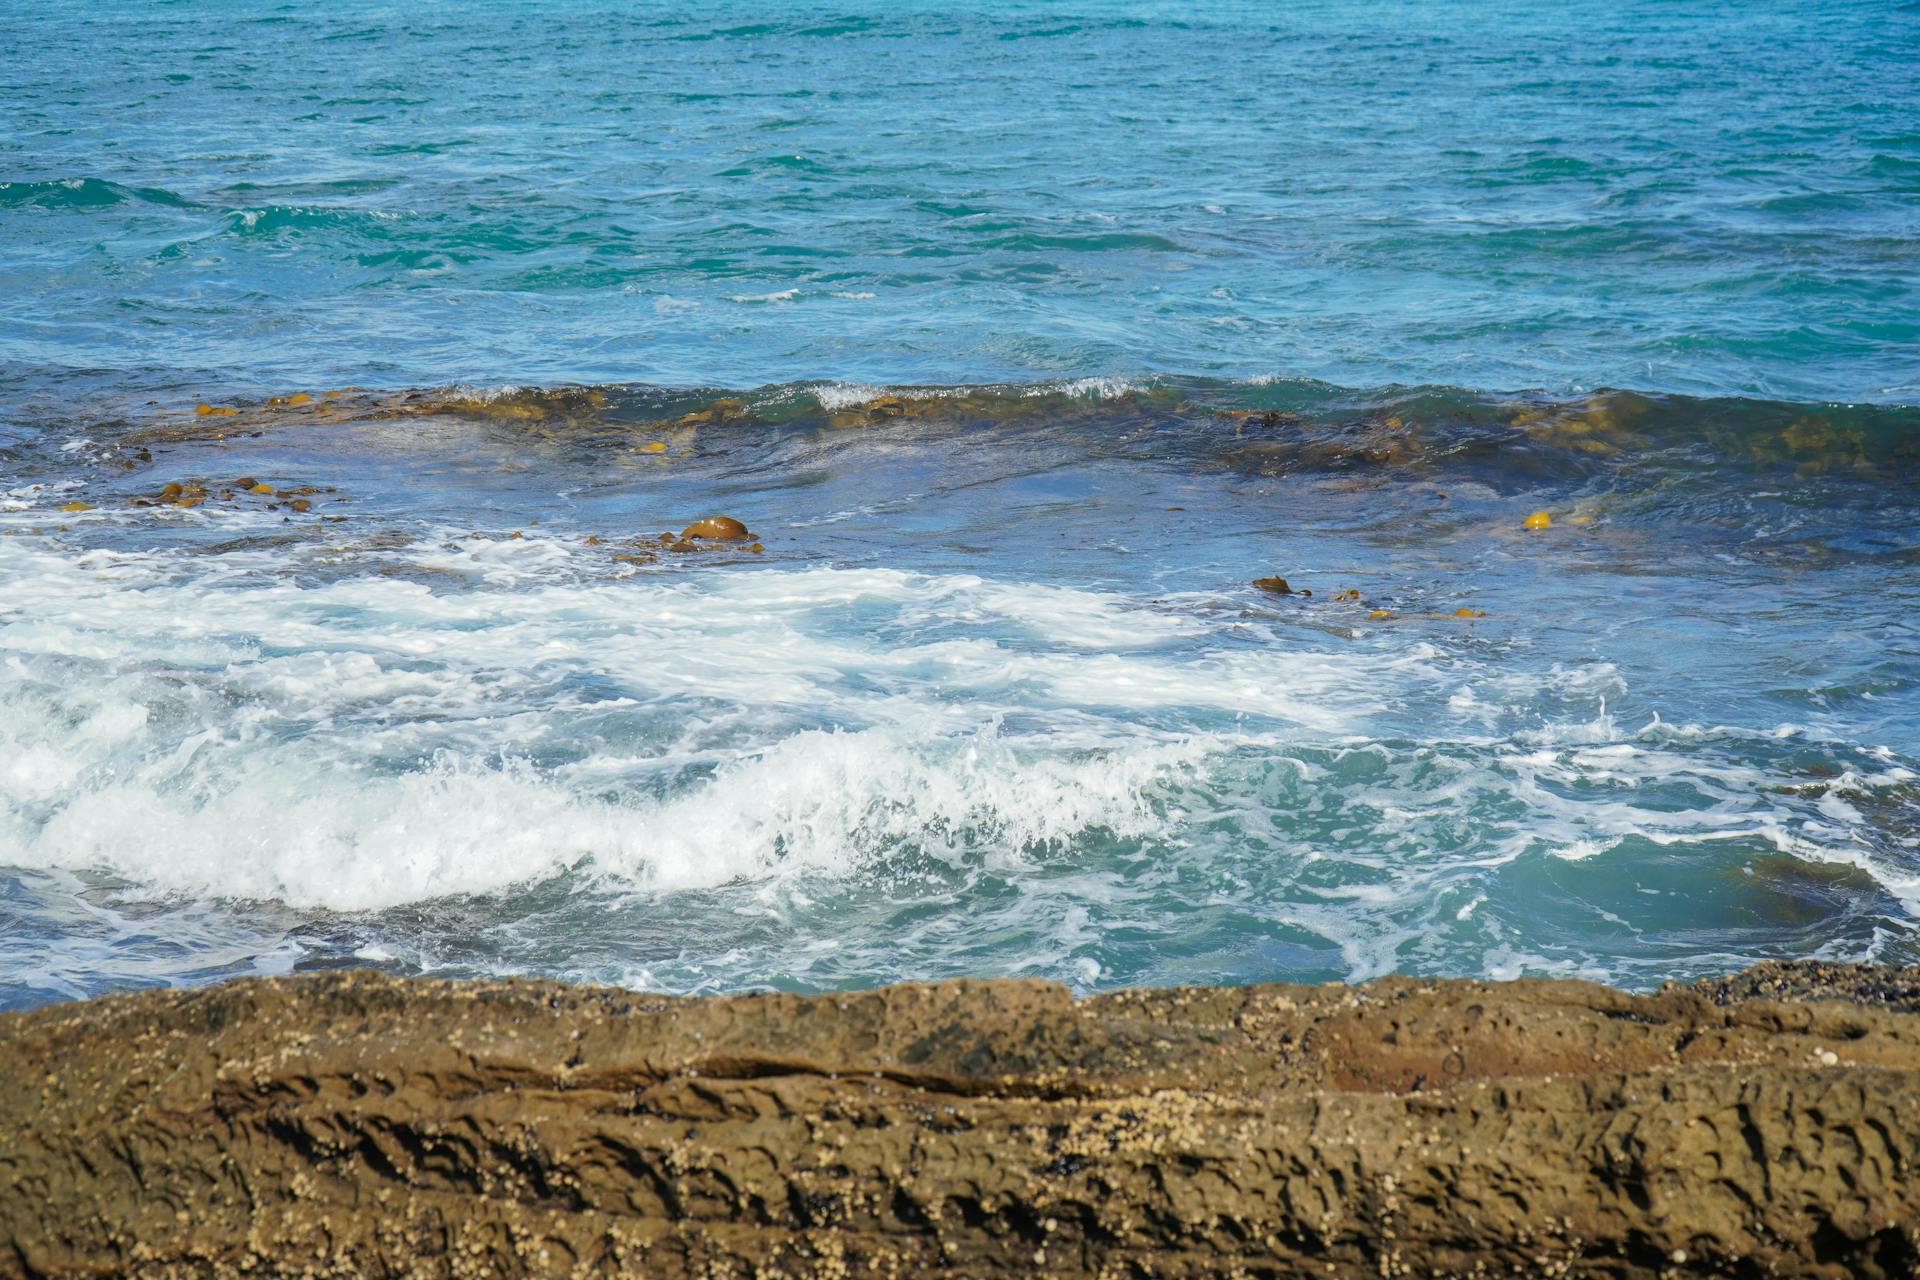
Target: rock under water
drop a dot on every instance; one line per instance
(352, 1124)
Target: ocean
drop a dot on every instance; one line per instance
(1233, 492)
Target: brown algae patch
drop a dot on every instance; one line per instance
(1601, 426)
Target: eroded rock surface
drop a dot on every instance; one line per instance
(358, 1125)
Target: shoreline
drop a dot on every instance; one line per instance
(353, 1124)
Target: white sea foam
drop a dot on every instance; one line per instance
(1098, 388)
(486, 394)
(295, 823)
(369, 742)
(211, 727)
(1084, 619)
(835, 396)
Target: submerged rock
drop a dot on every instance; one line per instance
(718, 412)
(355, 1124)
(1283, 444)
(990, 407)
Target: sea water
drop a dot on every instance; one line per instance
(1025, 338)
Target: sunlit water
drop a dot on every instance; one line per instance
(1025, 316)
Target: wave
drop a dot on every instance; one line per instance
(273, 219)
(371, 745)
(281, 827)
(298, 754)
(83, 193)
(1274, 425)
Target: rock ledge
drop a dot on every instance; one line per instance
(353, 1124)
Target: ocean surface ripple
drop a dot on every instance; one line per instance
(1666, 197)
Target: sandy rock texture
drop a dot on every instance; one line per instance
(351, 1125)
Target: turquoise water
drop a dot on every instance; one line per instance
(1680, 197)
(1025, 338)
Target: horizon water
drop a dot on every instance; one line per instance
(1025, 338)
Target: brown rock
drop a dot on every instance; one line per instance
(717, 528)
(355, 1124)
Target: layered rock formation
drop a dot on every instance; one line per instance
(357, 1125)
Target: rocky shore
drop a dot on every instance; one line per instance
(351, 1125)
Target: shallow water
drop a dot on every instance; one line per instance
(996, 693)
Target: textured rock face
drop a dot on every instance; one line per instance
(357, 1125)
